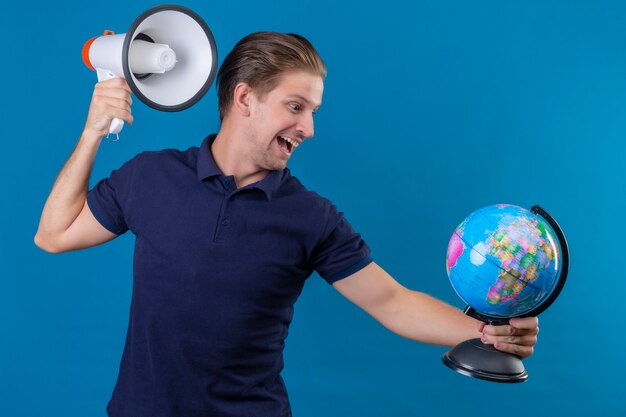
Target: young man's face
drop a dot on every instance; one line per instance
(283, 118)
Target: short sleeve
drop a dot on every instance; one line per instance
(342, 253)
(109, 199)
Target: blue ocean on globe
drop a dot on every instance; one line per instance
(503, 260)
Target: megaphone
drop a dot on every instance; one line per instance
(168, 58)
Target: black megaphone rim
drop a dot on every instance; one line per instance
(129, 76)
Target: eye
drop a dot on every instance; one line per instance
(295, 106)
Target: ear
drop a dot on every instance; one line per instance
(241, 99)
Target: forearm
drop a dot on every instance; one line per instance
(69, 191)
(420, 317)
(410, 314)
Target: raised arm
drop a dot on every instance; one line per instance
(66, 222)
(418, 316)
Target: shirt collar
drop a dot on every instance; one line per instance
(207, 168)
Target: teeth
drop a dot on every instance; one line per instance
(293, 142)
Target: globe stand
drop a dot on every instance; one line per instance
(478, 360)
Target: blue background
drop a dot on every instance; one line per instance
(431, 110)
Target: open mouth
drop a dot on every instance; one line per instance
(287, 144)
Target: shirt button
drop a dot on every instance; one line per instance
(225, 222)
(226, 181)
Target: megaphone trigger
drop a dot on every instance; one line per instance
(104, 74)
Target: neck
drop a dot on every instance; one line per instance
(232, 157)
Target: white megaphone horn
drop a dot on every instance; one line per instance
(168, 58)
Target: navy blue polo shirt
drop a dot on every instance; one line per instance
(217, 271)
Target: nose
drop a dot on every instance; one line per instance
(305, 125)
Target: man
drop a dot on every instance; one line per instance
(225, 238)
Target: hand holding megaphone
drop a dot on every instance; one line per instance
(109, 107)
(168, 59)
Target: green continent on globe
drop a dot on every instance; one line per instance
(522, 250)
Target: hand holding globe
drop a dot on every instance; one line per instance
(518, 338)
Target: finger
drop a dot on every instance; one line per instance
(503, 330)
(524, 323)
(114, 83)
(124, 115)
(110, 114)
(117, 93)
(525, 340)
(481, 326)
(104, 102)
(521, 351)
(509, 330)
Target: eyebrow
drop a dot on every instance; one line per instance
(304, 99)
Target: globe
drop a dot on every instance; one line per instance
(504, 261)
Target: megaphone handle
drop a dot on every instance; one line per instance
(116, 124)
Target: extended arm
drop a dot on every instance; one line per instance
(420, 317)
(66, 221)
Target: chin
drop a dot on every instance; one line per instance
(277, 165)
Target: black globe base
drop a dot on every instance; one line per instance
(478, 360)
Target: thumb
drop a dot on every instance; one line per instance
(481, 326)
